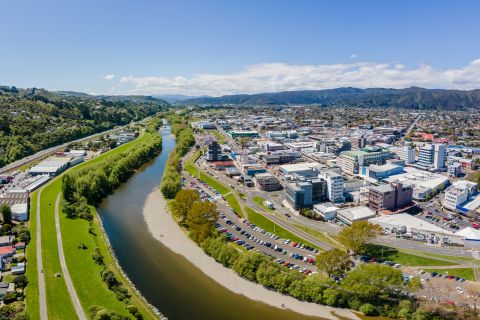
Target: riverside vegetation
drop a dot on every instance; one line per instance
(87, 186)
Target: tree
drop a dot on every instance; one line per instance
(334, 262)
(183, 201)
(6, 213)
(355, 237)
(372, 281)
(201, 218)
(68, 188)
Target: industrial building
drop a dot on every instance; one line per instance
(354, 214)
(54, 165)
(18, 201)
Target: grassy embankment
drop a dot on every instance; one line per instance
(259, 202)
(319, 235)
(85, 273)
(219, 136)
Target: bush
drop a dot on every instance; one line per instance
(368, 309)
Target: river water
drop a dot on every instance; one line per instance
(170, 282)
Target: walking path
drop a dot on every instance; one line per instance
(42, 298)
(73, 294)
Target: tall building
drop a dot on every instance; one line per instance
(407, 153)
(359, 142)
(458, 194)
(432, 156)
(334, 186)
(214, 151)
(390, 196)
(439, 156)
(319, 190)
(299, 195)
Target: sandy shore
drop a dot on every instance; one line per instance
(160, 222)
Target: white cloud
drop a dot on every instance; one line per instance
(353, 56)
(272, 77)
(107, 77)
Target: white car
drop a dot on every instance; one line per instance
(459, 290)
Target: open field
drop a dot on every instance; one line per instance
(268, 225)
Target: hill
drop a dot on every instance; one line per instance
(412, 97)
(35, 119)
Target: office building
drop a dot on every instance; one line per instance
(267, 182)
(432, 156)
(351, 161)
(319, 190)
(454, 169)
(359, 142)
(392, 196)
(299, 195)
(334, 186)
(407, 153)
(440, 156)
(214, 152)
(458, 194)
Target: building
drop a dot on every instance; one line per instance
(319, 190)
(407, 153)
(326, 211)
(432, 156)
(359, 142)
(54, 165)
(354, 214)
(267, 182)
(214, 152)
(351, 161)
(392, 196)
(454, 169)
(222, 165)
(379, 172)
(334, 186)
(425, 184)
(243, 134)
(18, 201)
(203, 125)
(458, 194)
(303, 168)
(299, 195)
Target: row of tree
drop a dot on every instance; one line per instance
(92, 183)
(172, 179)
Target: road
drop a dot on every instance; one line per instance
(42, 297)
(47, 152)
(71, 290)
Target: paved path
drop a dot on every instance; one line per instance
(42, 298)
(73, 294)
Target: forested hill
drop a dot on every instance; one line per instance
(412, 97)
(35, 119)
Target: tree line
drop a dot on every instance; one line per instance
(172, 179)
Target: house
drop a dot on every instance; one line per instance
(20, 245)
(6, 241)
(7, 251)
(18, 269)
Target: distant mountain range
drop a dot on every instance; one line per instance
(413, 97)
(172, 98)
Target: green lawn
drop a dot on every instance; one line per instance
(219, 136)
(190, 164)
(215, 184)
(441, 256)
(268, 225)
(86, 278)
(466, 273)
(232, 201)
(403, 258)
(259, 202)
(319, 235)
(31, 301)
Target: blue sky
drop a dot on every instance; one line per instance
(224, 47)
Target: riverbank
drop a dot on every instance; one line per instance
(163, 228)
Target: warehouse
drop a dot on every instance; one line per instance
(54, 165)
(351, 215)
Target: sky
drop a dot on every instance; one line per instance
(228, 47)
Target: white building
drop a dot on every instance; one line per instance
(407, 153)
(440, 156)
(432, 156)
(334, 186)
(326, 211)
(454, 169)
(351, 215)
(458, 194)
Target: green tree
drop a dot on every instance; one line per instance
(334, 262)
(247, 265)
(355, 237)
(6, 213)
(68, 188)
(371, 281)
(201, 218)
(183, 201)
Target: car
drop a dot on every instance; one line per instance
(397, 265)
(459, 290)
(422, 271)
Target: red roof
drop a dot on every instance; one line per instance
(223, 163)
(6, 250)
(20, 244)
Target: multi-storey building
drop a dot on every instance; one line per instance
(407, 153)
(350, 161)
(334, 186)
(458, 194)
(214, 151)
(267, 182)
(390, 196)
(432, 156)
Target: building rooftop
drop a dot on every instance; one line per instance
(356, 213)
(410, 222)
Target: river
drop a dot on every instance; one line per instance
(170, 282)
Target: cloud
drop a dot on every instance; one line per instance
(353, 56)
(273, 77)
(107, 77)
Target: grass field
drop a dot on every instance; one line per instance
(220, 138)
(268, 225)
(232, 201)
(403, 258)
(86, 278)
(466, 273)
(319, 235)
(259, 202)
(190, 164)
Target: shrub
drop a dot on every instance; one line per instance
(368, 309)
